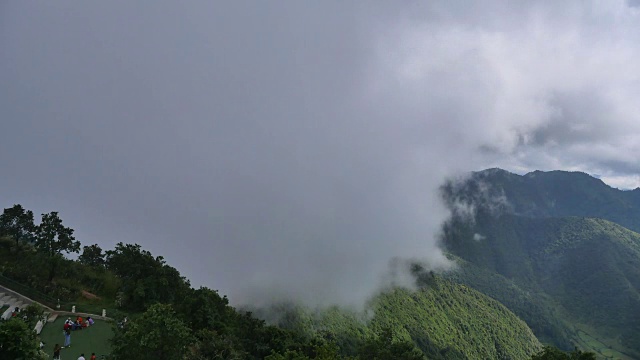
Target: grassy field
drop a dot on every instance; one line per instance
(603, 347)
(92, 339)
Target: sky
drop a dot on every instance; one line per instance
(293, 149)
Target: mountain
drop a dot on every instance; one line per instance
(444, 319)
(553, 247)
(547, 194)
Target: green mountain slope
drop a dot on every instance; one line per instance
(533, 305)
(541, 244)
(548, 194)
(445, 320)
(580, 271)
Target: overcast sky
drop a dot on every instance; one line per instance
(294, 148)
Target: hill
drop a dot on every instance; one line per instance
(444, 319)
(526, 244)
(547, 194)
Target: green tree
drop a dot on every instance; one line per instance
(552, 353)
(206, 309)
(33, 313)
(17, 223)
(158, 334)
(17, 341)
(211, 345)
(145, 279)
(52, 238)
(93, 256)
(385, 347)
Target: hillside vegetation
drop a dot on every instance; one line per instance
(444, 319)
(168, 319)
(564, 275)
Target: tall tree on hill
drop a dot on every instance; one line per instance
(52, 238)
(145, 279)
(93, 256)
(17, 223)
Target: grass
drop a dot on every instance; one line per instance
(92, 339)
(602, 347)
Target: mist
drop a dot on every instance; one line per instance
(294, 150)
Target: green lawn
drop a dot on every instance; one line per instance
(92, 339)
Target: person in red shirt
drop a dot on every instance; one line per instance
(93, 356)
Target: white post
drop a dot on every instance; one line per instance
(73, 309)
(104, 312)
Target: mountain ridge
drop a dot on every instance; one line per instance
(567, 237)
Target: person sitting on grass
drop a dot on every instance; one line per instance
(90, 320)
(93, 356)
(81, 357)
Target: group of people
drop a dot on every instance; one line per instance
(79, 324)
(70, 325)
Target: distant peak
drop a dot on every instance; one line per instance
(493, 171)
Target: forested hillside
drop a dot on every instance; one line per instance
(168, 319)
(562, 267)
(444, 319)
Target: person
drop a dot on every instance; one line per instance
(67, 337)
(90, 320)
(93, 356)
(56, 352)
(81, 357)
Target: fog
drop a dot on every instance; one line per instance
(293, 150)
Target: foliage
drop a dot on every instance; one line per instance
(559, 270)
(145, 279)
(92, 255)
(444, 321)
(157, 334)
(52, 238)
(17, 223)
(385, 347)
(170, 319)
(17, 341)
(551, 353)
(32, 313)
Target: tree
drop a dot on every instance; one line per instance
(17, 223)
(211, 345)
(33, 312)
(158, 334)
(146, 279)
(17, 341)
(552, 353)
(385, 347)
(92, 255)
(206, 309)
(52, 238)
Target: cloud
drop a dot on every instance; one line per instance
(294, 149)
(478, 237)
